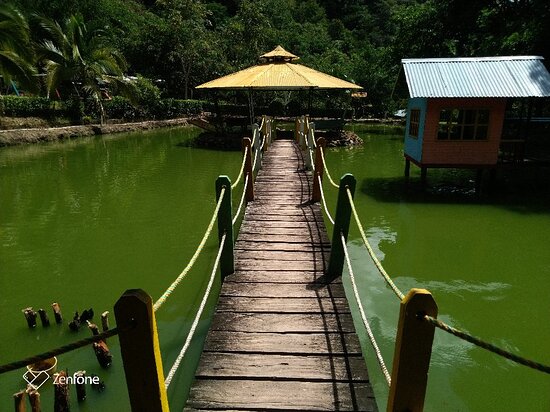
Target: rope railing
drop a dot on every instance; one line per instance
(191, 263)
(327, 173)
(241, 203)
(193, 329)
(373, 256)
(436, 322)
(366, 323)
(324, 201)
(234, 185)
(58, 351)
(486, 345)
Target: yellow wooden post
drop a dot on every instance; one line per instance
(413, 349)
(316, 192)
(248, 169)
(139, 346)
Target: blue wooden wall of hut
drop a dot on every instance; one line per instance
(413, 144)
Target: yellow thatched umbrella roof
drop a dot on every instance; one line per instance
(278, 72)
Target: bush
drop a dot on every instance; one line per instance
(117, 108)
(120, 108)
(22, 106)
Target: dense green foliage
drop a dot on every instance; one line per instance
(181, 43)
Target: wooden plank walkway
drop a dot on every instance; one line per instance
(281, 337)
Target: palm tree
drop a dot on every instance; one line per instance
(78, 62)
(16, 54)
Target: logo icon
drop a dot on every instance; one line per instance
(36, 378)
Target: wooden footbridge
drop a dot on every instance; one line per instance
(282, 337)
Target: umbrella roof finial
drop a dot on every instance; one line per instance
(278, 54)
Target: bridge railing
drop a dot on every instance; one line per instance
(135, 311)
(418, 310)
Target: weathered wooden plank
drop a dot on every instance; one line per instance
(284, 343)
(282, 246)
(246, 264)
(283, 367)
(286, 227)
(282, 305)
(275, 238)
(280, 395)
(281, 276)
(288, 231)
(309, 255)
(282, 322)
(281, 290)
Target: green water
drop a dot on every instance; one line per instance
(82, 221)
(85, 220)
(484, 258)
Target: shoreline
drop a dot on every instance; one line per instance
(14, 137)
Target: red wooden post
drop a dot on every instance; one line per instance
(248, 169)
(319, 170)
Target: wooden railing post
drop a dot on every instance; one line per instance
(248, 170)
(225, 225)
(341, 225)
(413, 349)
(319, 170)
(302, 136)
(139, 346)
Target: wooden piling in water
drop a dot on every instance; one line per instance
(80, 386)
(34, 399)
(93, 328)
(105, 321)
(61, 393)
(19, 401)
(30, 316)
(44, 317)
(103, 354)
(57, 313)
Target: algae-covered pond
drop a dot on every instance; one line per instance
(82, 221)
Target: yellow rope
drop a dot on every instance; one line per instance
(234, 185)
(364, 316)
(323, 199)
(176, 282)
(486, 345)
(377, 262)
(326, 168)
(241, 203)
(191, 333)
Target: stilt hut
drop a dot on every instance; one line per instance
(456, 109)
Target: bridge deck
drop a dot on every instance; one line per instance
(281, 337)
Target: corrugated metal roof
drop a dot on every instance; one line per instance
(511, 76)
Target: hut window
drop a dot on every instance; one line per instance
(463, 124)
(414, 122)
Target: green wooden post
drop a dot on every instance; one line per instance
(413, 349)
(341, 225)
(225, 225)
(139, 346)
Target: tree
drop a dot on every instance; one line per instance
(188, 48)
(16, 54)
(77, 62)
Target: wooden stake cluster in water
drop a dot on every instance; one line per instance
(31, 315)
